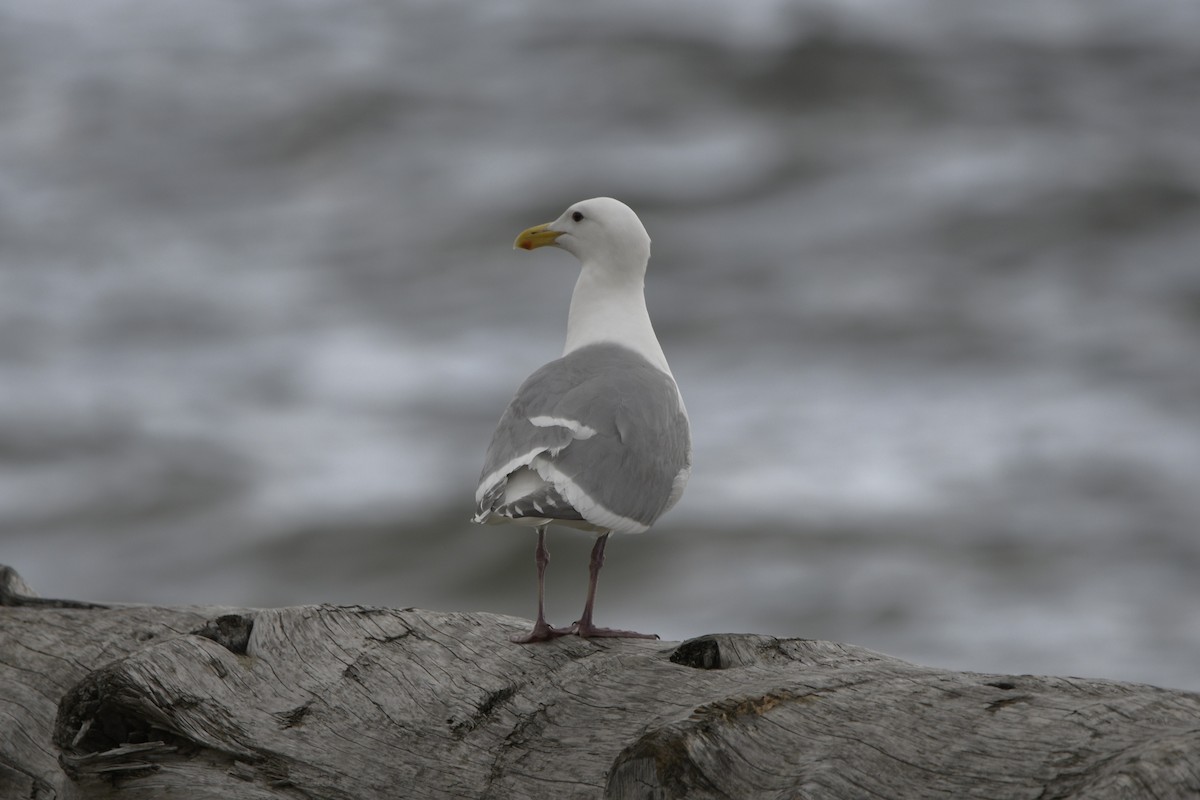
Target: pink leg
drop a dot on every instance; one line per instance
(542, 631)
(584, 626)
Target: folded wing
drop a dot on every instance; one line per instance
(598, 437)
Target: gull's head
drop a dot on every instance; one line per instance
(598, 230)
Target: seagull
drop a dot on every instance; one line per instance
(598, 439)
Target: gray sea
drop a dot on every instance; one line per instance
(927, 272)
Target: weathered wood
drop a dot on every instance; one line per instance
(354, 702)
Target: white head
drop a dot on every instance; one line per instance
(600, 230)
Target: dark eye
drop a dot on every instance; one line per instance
(577, 216)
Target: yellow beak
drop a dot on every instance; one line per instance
(537, 236)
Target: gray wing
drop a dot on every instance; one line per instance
(606, 432)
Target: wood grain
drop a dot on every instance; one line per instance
(357, 702)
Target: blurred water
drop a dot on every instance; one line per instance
(926, 271)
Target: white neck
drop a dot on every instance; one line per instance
(611, 307)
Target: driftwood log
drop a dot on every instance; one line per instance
(353, 702)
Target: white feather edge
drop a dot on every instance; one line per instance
(510, 466)
(578, 429)
(588, 508)
(677, 486)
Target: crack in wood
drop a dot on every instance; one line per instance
(293, 717)
(1004, 702)
(492, 702)
(231, 631)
